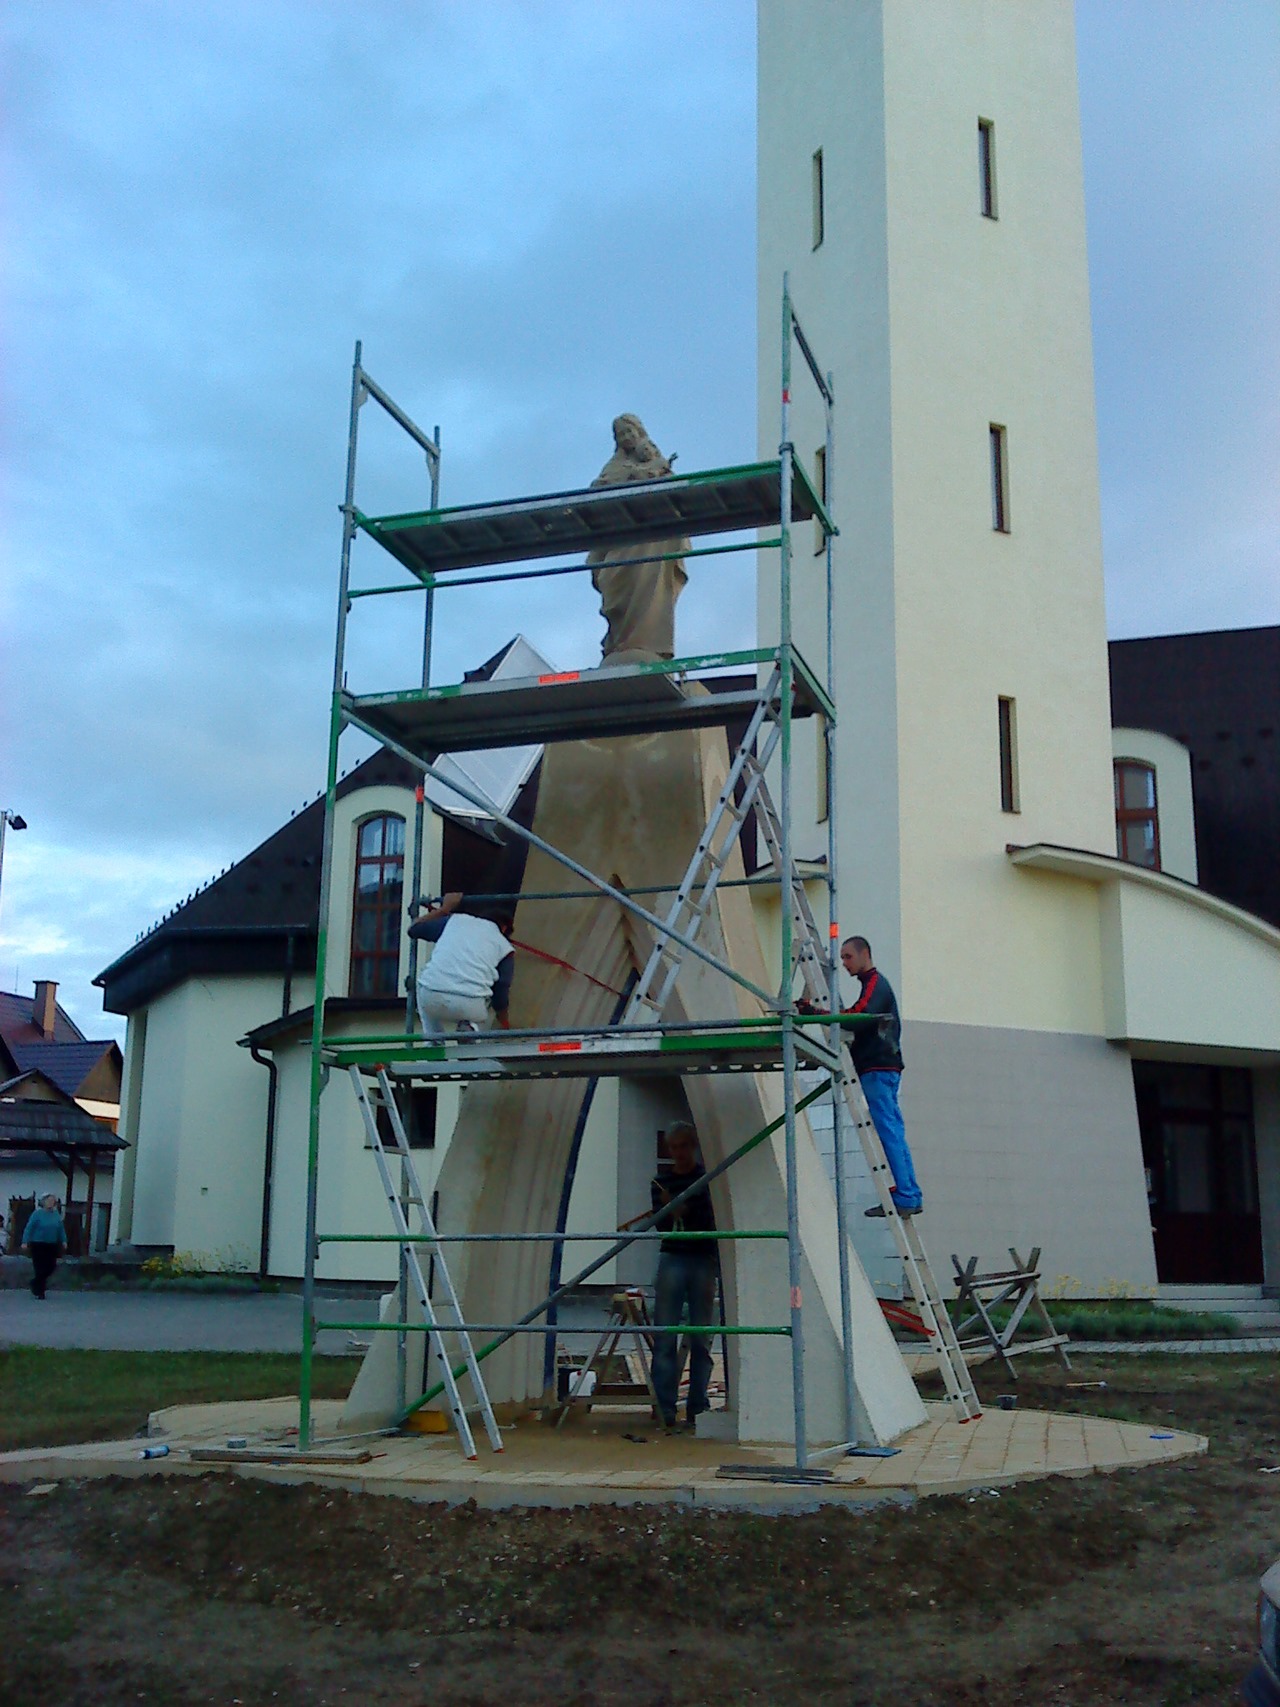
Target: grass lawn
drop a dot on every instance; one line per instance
(55, 1398)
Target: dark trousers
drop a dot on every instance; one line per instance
(44, 1259)
(684, 1282)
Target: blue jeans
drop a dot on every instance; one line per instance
(683, 1280)
(881, 1092)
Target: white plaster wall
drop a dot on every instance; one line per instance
(201, 1119)
(1178, 973)
(130, 1110)
(39, 1179)
(350, 1196)
(594, 1201)
(1174, 798)
(937, 614)
(218, 1188)
(157, 1135)
(821, 86)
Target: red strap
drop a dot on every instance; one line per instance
(554, 960)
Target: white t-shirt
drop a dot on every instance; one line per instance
(466, 959)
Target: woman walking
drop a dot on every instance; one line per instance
(45, 1239)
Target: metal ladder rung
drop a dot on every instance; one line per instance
(371, 1098)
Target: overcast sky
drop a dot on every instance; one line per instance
(535, 215)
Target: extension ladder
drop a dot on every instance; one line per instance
(746, 787)
(372, 1098)
(810, 961)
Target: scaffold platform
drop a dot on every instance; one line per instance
(747, 1046)
(594, 518)
(572, 705)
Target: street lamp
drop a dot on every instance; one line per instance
(7, 819)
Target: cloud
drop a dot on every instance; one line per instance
(535, 217)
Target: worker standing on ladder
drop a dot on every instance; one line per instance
(470, 968)
(876, 1052)
(687, 1273)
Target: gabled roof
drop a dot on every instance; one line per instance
(17, 1022)
(35, 1086)
(261, 914)
(500, 773)
(26, 1125)
(71, 1065)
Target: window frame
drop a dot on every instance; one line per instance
(378, 907)
(988, 204)
(818, 191)
(1007, 725)
(820, 486)
(998, 451)
(1128, 815)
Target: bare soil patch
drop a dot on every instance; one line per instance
(1133, 1588)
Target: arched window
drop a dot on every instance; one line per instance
(376, 907)
(1137, 813)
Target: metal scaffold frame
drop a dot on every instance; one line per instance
(435, 547)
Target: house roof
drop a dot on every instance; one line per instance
(261, 914)
(1219, 695)
(67, 1065)
(26, 1125)
(17, 1022)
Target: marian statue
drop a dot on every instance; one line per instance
(637, 599)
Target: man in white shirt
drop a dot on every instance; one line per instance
(469, 970)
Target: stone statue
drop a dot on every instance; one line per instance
(637, 600)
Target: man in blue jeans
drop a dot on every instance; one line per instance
(876, 1052)
(687, 1274)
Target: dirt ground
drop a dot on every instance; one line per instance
(1132, 1588)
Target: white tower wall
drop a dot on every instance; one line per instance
(938, 322)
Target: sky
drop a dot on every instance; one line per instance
(534, 216)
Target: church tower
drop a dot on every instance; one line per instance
(920, 178)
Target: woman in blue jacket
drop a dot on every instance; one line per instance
(46, 1239)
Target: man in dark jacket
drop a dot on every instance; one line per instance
(687, 1274)
(876, 1052)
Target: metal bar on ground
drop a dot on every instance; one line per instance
(544, 1238)
(712, 1330)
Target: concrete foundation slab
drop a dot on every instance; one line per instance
(593, 1460)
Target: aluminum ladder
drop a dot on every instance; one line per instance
(809, 959)
(692, 902)
(380, 1097)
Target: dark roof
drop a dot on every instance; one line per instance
(26, 1125)
(10, 1086)
(1219, 695)
(384, 1010)
(17, 1024)
(68, 1065)
(259, 916)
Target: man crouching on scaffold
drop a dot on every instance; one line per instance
(470, 968)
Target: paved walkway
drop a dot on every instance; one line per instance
(118, 1320)
(619, 1458)
(111, 1320)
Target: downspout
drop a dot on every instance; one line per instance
(273, 1081)
(269, 1155)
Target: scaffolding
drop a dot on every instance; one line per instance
(441, 549)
